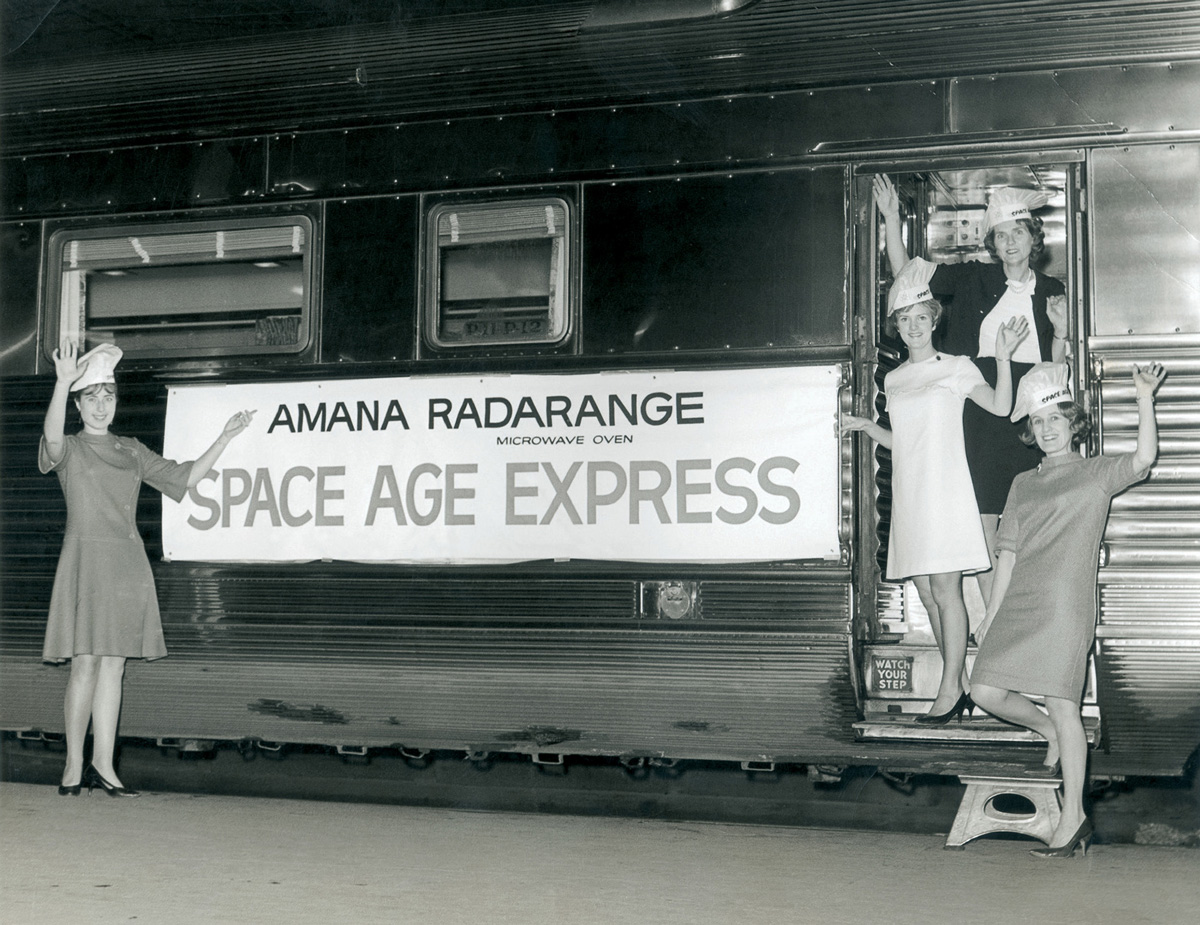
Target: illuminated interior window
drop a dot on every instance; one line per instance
(498, 273)
(186, 290)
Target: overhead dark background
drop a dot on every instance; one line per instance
(36, 31)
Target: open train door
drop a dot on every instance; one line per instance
(942, 209)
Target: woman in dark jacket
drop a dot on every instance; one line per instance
(979, 297)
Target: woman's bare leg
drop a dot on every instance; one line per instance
(925, 593)
(991, 524)
(946, 588)
(1019, 709)
(77, 712)
(1072, 742)
(106, 710)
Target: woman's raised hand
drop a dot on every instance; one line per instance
(886, 198)
(66, 362)
(1010, 335)
(1147, 379)
(1056, 311)
(236, 424)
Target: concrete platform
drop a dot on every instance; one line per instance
(174, 858)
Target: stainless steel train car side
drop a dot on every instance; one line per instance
(712, 230)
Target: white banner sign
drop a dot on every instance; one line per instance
(734, 465)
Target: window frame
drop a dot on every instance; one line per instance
(562, 310)
(59, 239)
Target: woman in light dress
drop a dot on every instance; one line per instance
(1041, 619)
(103, 608)
(936, 533)
(980, 296)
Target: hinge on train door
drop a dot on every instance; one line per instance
(1093, 401)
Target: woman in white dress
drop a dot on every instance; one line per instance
(935, 531)
(979, 297)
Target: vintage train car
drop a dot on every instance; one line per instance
(665, 202)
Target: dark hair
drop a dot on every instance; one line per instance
(1080, 421)
(935, 309)
(1034, 227)
(110, 387)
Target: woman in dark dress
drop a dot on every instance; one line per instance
(1041, 619)
(103, 609)
(979, 298)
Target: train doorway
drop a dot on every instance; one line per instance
(942, 208)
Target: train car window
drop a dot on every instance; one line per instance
(21, 260)
(169, 290)
(369, 293)
(716, 262)
(497, 273)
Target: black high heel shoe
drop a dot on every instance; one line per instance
(955, 712)
(94, 778)
(1082, 838)
(72, 791)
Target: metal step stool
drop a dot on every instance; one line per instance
(977, 814)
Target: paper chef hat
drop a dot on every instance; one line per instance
(1008, 204)
(911, 285)
(1045, 384)
(101, 361)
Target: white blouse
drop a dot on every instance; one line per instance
(1017, 301)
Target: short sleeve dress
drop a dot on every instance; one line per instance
(1054, 520)
(935, 522)
(995, 453)
(104, 602)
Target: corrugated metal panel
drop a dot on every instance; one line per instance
(538, 56)
(1138, 601)
(1162, 514)
(300, 611)
(337, 653)
(817, 606)
(1148, 668)
(703, 696)
(1151, 705)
